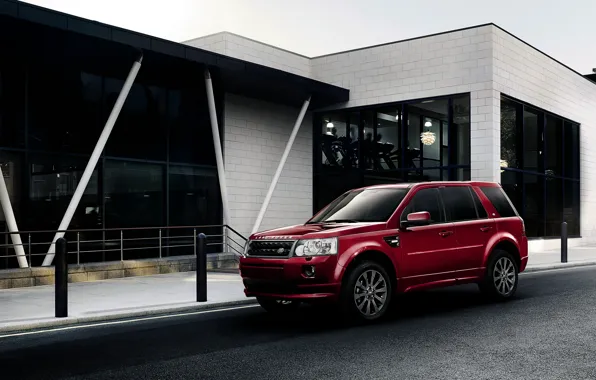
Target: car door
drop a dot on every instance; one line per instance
(426, 250)
(473, 228)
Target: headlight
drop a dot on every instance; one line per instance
(316, 247)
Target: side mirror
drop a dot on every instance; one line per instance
(416, 219)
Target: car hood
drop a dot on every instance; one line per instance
(319, 230)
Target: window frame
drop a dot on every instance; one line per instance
(448, 214)
(442, 210)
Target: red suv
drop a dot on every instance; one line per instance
(373, 242)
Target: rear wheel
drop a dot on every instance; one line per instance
(366, 292)
(500, 280)
(278, 306)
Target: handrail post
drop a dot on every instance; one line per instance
(78, 248)
(564, 242)
(160, 243)
(201, 268)
(194, 241)
(29, 250)
(121, 245)
(61, 279)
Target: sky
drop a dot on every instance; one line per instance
(563, 29)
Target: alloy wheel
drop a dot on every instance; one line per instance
(504, 276)
(370, 292)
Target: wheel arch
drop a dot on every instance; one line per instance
(375, 256)
(507, 245)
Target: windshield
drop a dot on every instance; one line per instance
(368, 205)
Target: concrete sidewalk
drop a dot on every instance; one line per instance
(31, 308)
(577, 256)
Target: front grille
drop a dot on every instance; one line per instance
(269, 248)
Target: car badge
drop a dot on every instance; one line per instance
(281, 250)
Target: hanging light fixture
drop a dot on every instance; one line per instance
(428, 137)
(329, 125)
(504, 164)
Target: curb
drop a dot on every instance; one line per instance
(541, 268)
(154, 312)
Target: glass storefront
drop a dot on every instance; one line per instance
(540, 168)
(427, 140)
(157, 169)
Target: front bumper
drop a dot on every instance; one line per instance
(286, 278)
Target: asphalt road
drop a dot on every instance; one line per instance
(547, 332)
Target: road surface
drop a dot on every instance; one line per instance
(547, 332)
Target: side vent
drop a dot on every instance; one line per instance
(393, 241)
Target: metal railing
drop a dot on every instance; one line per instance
(120, 244)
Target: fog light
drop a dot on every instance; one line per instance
(308, 270)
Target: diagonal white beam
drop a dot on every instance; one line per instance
(101, 143)
(221, 173)
(280, 167)
(12, 223)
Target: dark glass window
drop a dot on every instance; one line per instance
(133, 194)
(422, 140)
(140, 131)
(425, 200)
(571, 150)
(459, 203)
(53, 181)
(499, 200)
(12, 105)
(553, 135)
(192, 194)
(370, 205)
(532, 140)
(387, 139)
(63, 109)
(191, 140)
(546, 149)
(510, 134)
(335, 145)
(533, 212)
(479, 206)
(571, 207)
(554, 206)
(459, 134)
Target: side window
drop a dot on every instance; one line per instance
(482, 214)
(499, 199)
(425, 200)
(459, 204)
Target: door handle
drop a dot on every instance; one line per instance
(485, 229)
(445, 233)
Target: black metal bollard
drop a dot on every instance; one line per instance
(201, 267)
(564, 242)
(61, 279)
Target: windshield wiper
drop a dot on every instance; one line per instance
(341, 221)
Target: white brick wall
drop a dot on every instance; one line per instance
(256, 134)
(526, 74)
(253, 51)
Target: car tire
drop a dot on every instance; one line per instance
(278, 306)
(366, 292)
(501, 277)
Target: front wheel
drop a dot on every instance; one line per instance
(366, 292)
(278, 306)
(500, 280)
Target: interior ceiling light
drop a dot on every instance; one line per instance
(329, 125)
(428, 138)
(428, 124)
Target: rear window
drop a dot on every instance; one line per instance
(499, 199)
